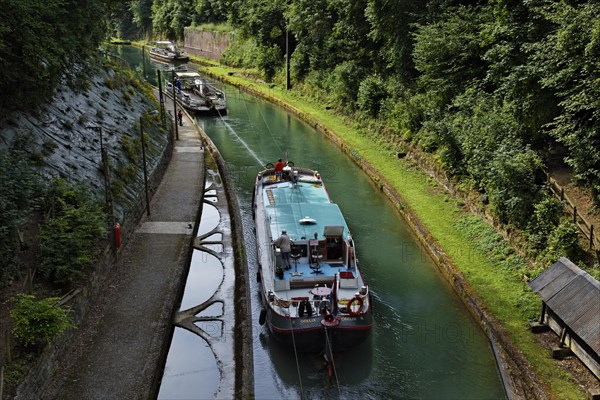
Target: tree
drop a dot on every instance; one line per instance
(45, 44)
(170, 17)
(391, 28)
(448, 52)
(570, 61)
(141, 11)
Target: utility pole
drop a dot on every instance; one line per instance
(287, 60)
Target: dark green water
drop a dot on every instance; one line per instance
(424, 344)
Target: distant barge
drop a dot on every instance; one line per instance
(196, 94)
(165, 50)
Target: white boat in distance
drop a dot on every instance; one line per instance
(196, 94)
(165, 50)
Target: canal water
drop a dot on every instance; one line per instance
(424, 343)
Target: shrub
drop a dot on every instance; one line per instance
(546, 217)
(241, 53)
(513, 185)
(70, 233)
(19, 188)
(269, 61)
(563, 241)
(38, 322)
(371, 94)
(343, 85)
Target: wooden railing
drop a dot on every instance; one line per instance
(585, 227)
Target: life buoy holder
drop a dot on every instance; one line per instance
(360, 302)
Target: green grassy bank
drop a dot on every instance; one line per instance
(496, 274)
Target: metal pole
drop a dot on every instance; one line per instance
(287, 60)
(175, 108)
(574, 214)
(107, 190)
(591, 237)
(161, 99)
(144, 59)
(145, 169)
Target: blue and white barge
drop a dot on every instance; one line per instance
(321, 301)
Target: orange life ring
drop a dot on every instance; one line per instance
(360, 305)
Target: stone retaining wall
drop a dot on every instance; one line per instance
(206, 44)
(81, 299)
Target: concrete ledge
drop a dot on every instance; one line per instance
(559, 353)
(593, 394)
(537, 327)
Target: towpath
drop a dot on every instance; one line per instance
(116, 352)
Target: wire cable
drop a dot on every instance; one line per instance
(330, 356)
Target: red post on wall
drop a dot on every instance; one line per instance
(117, 235)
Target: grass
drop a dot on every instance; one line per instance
(498, 275)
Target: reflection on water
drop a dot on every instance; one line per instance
(204, 278)
(213, 329)
(214, 310)
(210, 219)
(191, 370)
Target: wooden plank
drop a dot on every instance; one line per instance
(553, 279)
(578, 306)
(573, 296)
(588, 325)
(570, 303)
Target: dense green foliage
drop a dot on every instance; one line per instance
(491, 88)
(168, 18)
(44, 44)
(38, 322)
(19, 189)
(487, 86)
(70, 233)
(71, 225)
